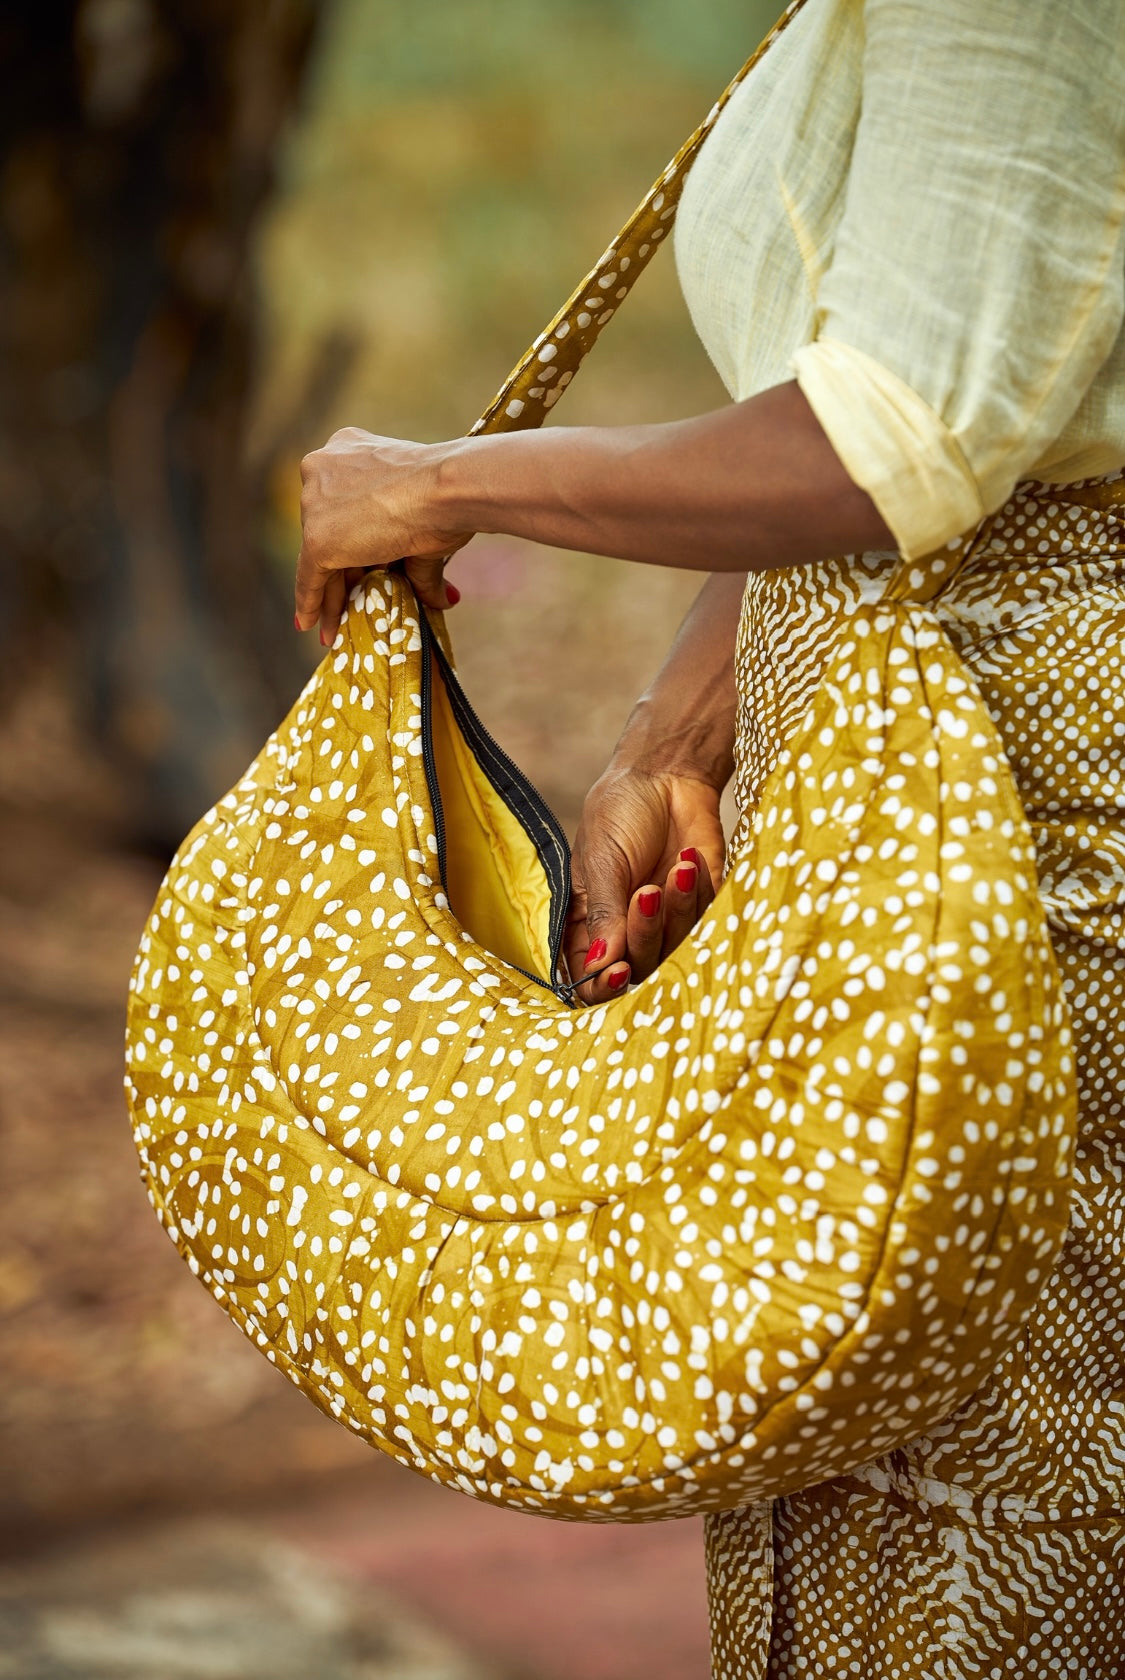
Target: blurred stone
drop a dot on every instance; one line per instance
(540, 1599)
(208, 1600)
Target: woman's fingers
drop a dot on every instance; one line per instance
(610, 979)
(657, 921)
(337, 592)
(332, 606)
(688, 881)
(369, 501)
(428, 578)
(434, 590)
(705, 891)
(621, 920)
(599, 954)
(603, 957)
(308, 592)
(597, 920)
(645, 931)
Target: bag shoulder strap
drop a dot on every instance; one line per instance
(541, 376)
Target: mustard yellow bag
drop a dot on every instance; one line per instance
(769, 1214)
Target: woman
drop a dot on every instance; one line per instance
(903, 246)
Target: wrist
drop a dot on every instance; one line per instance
(545, 486)
(656, 743)
(461, 484)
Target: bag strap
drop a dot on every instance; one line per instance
(541, 376)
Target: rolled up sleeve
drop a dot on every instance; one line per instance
(977, 279)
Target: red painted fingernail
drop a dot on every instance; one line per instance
(685, 878)
(453, 594)
(649, 902)
(689, 856)
(596, 952)
(296, 622)
(618, 979)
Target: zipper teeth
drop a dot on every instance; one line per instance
(428, 761)
(558, 878)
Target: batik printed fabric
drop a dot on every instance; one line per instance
(995, 1545)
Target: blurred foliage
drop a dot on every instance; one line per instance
(498, 42)
(461, 164)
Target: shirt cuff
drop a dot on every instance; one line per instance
(891, 444)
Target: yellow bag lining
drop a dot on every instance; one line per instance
(495, 880)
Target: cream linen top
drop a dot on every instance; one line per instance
(918, 210)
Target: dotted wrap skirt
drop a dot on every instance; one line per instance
(994, 1545)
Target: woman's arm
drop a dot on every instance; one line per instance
(633, 895)
(752, 485)
(684, 721)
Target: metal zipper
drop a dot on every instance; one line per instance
(522, 799)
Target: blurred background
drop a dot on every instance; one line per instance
(226, 228)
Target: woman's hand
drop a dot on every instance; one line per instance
(647, 858)
(676, 494)
(369, 501)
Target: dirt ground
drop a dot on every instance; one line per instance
(132, 1412)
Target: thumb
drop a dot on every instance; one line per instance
(428, 578)
(605, 886)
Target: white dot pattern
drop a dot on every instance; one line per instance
(994, 1543)
(773, 1211)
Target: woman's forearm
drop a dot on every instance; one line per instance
(684, 722)
(753, 485)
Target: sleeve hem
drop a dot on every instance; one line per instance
(891, 444)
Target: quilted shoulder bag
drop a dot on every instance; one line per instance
(767, 1215)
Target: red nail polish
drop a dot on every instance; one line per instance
(689, 856)
(596, 952)
(685, 878)
(453, 594)
(296, 622)
(618, 981)
(649, 902)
